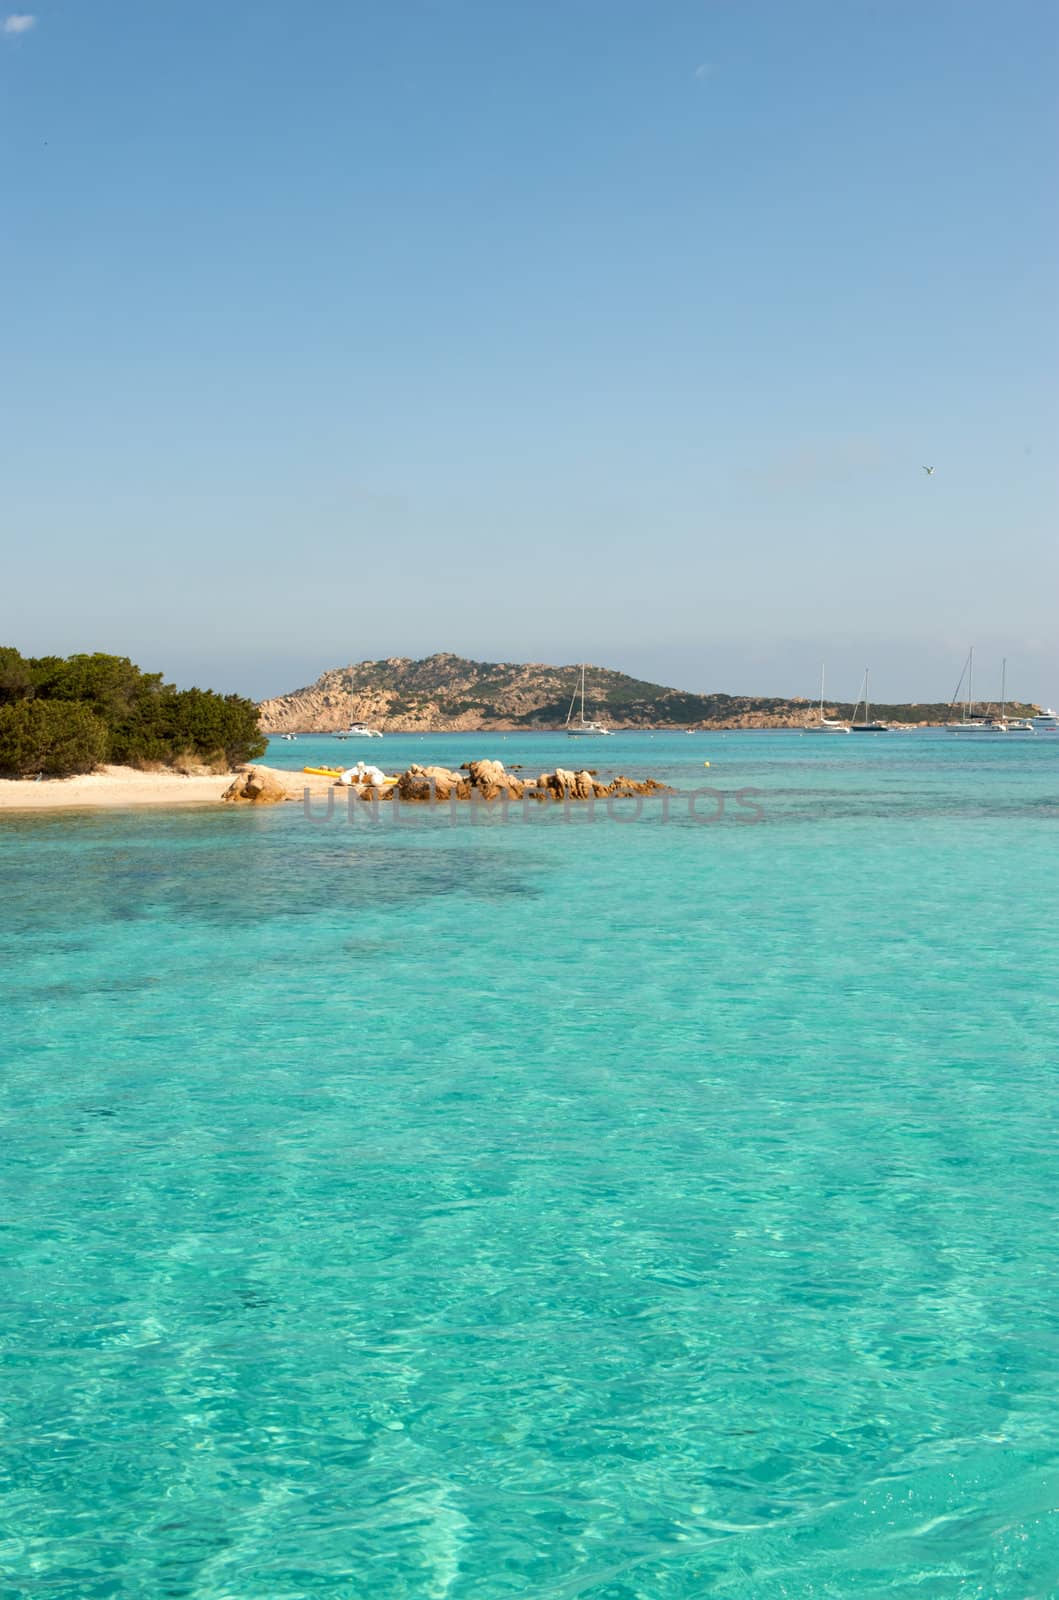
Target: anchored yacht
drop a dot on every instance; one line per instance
(867, 726)
(984, 722)
(581, 728)
(826, 724)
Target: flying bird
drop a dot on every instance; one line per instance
(929, 471)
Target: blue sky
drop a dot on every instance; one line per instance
(615, 330)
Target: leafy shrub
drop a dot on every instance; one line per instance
(111, 685)
(202, 723)
(54, 737)
(144, 719)
(16, 677)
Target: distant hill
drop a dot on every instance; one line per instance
(448, 693)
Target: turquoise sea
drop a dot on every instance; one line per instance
(625, 1208)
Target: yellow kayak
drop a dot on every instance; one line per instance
(334, 772)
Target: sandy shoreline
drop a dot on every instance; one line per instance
(114, 787)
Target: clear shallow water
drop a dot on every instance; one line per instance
(541, 1208)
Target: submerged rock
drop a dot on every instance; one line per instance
(631, 786)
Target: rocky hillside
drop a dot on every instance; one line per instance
(448, 693)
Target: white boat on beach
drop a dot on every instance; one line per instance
(582, 728)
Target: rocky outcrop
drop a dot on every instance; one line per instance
(258, 786)
(476, 780)
(432, 783)
(489, 781)
(414, 785)
(448, 783)
(631, 786)
(561, 784)
(486, 774)
(485, 779)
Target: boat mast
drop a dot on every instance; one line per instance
(970, 681)
(1003, 686)
(956, 691)
(582, 694)
(867, 708)
(821, 691)
(573, 702)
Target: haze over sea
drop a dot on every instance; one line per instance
(631, 1210)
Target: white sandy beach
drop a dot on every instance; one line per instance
(113, 787)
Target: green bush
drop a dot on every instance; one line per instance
(54, 737)
(144, 720)
(173, 723)
(111, 685)
(16, 676)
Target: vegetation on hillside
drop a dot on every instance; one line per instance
(446, 690)
(63, 715)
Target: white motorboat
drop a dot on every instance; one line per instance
(356, 730)
(1046, 721)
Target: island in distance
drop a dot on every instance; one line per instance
(449, 694)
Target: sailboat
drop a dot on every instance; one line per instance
(583, 729)
(972, 721)
(826, 724)
(867, 726)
